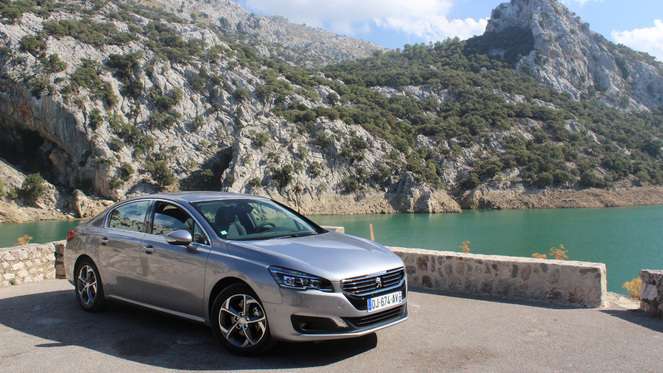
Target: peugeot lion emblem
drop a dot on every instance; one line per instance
(378, 282)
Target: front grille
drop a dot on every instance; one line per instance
(380, 317)
(370, 284)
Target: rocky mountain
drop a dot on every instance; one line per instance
(116, 98)
(273, 37)
(567, 55)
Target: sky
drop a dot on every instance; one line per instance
(394, 23)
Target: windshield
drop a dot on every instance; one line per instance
(247, 219)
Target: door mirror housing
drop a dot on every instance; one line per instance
(179, 237)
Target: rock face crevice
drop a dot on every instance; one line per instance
(43, 134)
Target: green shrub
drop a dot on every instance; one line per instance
(126, 66)
(471, 182)
(125, 171)
(34, 186)
(32, 44)
(12, 14)
(350, 185)
(255, 183)
(315, 169)
(260, 139)
(88, 31)
(161, 120)
(95, 119)
(160, 172)
(54, 64)
(282, 176)
(590, 179)
(87, 76)
(116, 144)
(241, 95)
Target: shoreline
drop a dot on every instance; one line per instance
(382, 203)
(525, 199)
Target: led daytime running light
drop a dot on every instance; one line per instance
(291, 279)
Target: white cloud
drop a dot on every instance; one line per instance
(648, 39)
(425, 19)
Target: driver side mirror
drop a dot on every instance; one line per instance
(179, 237)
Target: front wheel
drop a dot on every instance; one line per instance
(239, 322)
(89, 290)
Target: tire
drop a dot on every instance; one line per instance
(239, 321)
(89, 288)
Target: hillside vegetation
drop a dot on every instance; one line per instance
(511, 122)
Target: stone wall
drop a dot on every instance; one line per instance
(565, 282)
(651, 292)
(32, 262)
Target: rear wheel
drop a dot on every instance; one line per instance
(239, 321)
(89, 289)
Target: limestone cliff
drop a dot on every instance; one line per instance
(570, 57)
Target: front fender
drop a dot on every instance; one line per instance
(222, 266)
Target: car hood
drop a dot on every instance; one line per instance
(332, 255)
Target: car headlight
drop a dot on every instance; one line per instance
(291, 279)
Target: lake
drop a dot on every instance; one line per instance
(40, 231)
(626, 239)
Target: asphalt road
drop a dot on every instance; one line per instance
(42, 329)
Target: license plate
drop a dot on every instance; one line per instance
(385, 301)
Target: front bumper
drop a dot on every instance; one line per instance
(315, 315)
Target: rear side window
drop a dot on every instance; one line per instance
(129, 217)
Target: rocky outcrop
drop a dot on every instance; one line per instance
(86, 207)
(571, 58)
(55, 203)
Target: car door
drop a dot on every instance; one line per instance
(174, 274)
(120, 250)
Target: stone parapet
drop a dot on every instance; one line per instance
(557, 281)
(651, 292)
(32, 262)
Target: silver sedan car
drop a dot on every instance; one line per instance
(254, 270)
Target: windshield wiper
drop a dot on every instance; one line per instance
(300, 234)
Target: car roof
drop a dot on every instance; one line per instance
(197, 196)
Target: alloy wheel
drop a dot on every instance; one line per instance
(242, 321)
(87, 285)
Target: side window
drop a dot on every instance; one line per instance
(169, 218)
(129, 217)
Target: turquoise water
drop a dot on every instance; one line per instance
(626, 239)
(40, 231)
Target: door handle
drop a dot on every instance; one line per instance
(149, 249)
(104, 241)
